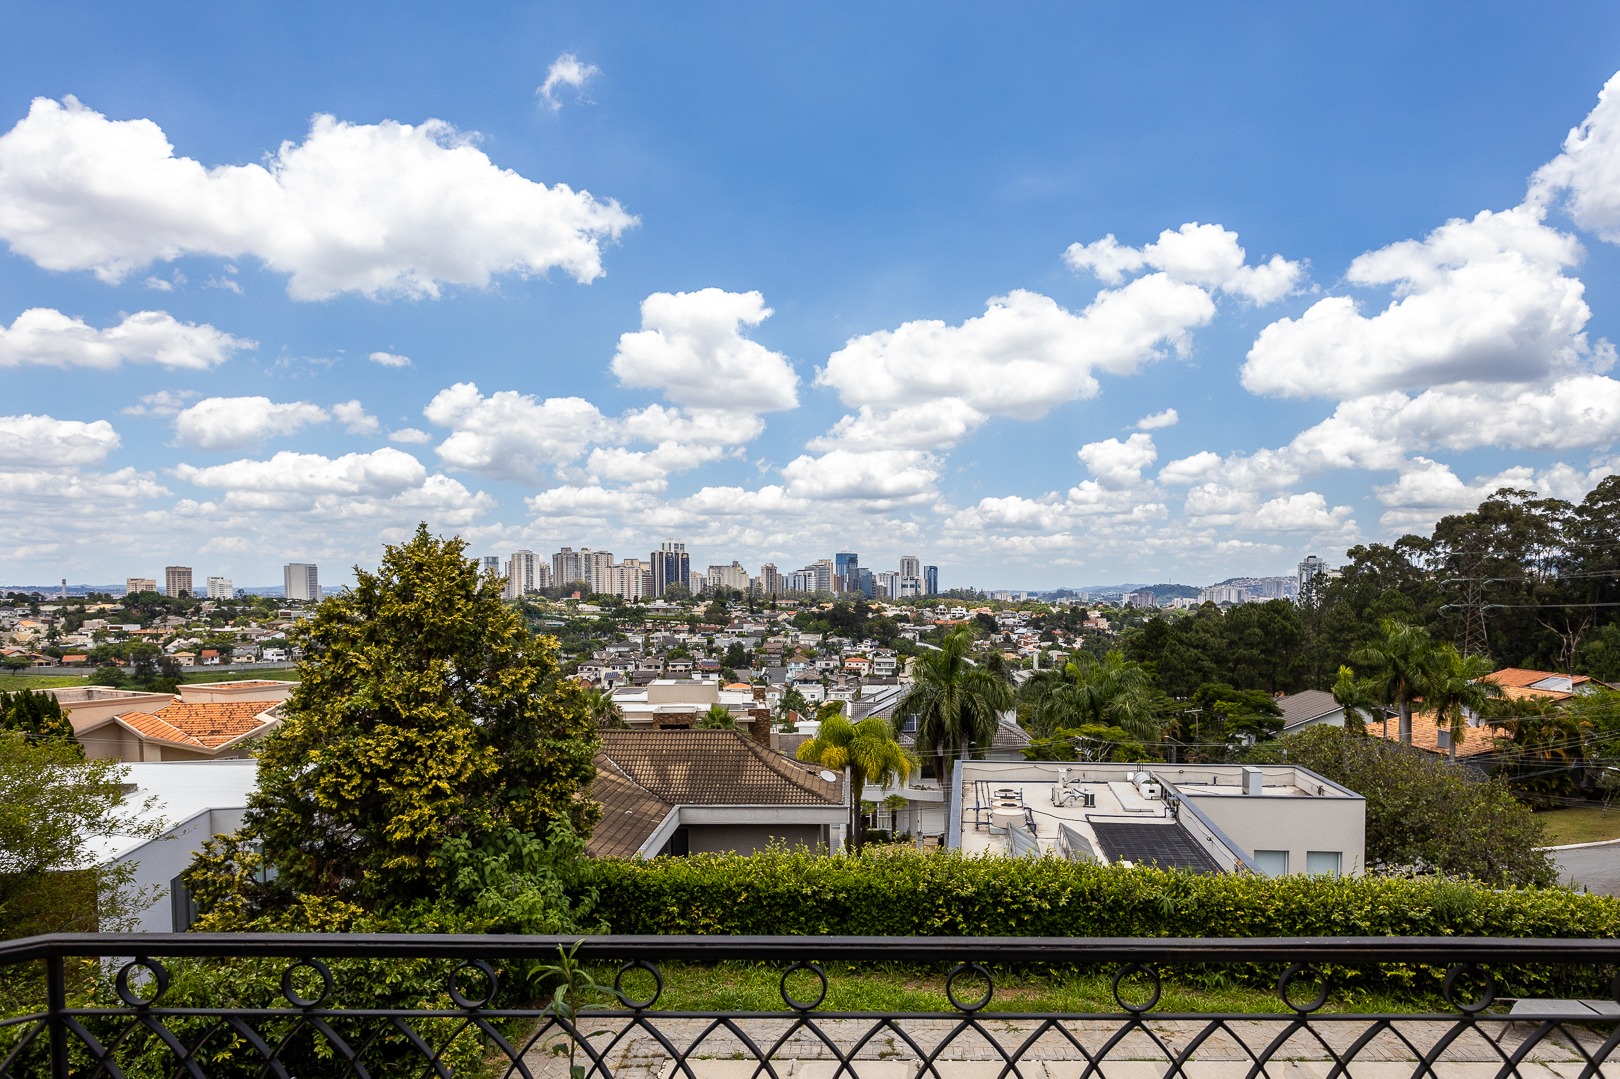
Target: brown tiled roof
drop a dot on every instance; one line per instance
(1425, 735)
(691, 767)
(1522, 678)
(630, 813)
(207, 726)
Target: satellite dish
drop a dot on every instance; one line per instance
(829, 776)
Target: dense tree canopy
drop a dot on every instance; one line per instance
(427, 721)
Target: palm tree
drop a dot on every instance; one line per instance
(1454, 687)
(1398, 661)
(1108, 692)
(604, 709)
(870, 752)
(958, 703)
(717, 718)
(1358, 698)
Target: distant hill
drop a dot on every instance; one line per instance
(1174, 591)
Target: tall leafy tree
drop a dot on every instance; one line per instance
(957, 702)
(870, 752)
(37, 716)
(427, 718)
(1398, 663)
(1358, 698)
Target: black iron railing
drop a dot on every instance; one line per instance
(299, 1006)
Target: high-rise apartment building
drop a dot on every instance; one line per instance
(176, 581)
(139, 584)
(910, 566)
(301, 581)
(888, 584)
(670, 565)
(770, 582)
(630, 579)
(864, 582)
(930, 580)
(1310, 570)
(732, 576)
(221, 588)
(525, 573)
(593, 568)
(565, 569)
(490, 566)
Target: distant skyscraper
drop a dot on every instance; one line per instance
(670, 565)
(594, 567)
(930, 580)
(1309, 570)
(847, 565)
(221, 588)
(301, 581)
(910, 566)
(888, 583)
(865, 582)
(139, 584)
(770, 581)
(490, 565)
(565, 569)
(176, 579)
(525, 573)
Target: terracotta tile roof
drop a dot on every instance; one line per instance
(207, 726)
(630, 813)
(1425, 735)
(1523, 678)
(691, 767)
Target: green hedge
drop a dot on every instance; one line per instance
(908, 893)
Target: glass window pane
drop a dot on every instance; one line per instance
(1322, 862)
(1272, 863)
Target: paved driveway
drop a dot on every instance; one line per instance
(1597, 868)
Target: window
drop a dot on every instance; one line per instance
(1323, 863)
(1272, 863)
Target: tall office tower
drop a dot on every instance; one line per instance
(221, 588)
(593, 568)
(525, 573)
(847, 565)
(802, 580)
(910, 566)
(301, 581)
(910, 586)
(888, 583)
(770, 581)
(670, 565)
(139, 584)
(565, 569)
(490, 565)
(930, 580)
(63, 593)
(1310, 570)
(865, 582)
(176, 579)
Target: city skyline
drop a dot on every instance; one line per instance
(1057, 295)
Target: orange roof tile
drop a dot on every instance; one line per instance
(1425, 735)
(207, 726)
(1525, 678)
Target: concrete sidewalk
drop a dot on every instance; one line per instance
(714, 1052)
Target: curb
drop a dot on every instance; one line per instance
(1580, 846)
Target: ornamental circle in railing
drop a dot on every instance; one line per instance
(1449, 988)
(1286, 983)
(461, 997)
(1130, 970)
(803, 1005)
(297, 999)
(977, 969)
(630, 1001)
(158, 978)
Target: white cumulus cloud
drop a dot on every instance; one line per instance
(511, 435)
(389, 359)
(567, 70)
(1168, 418)
(1119, 464)
(378, 209)
(1205, 255)
(231, 423)
(1586, 176)
(691, 348)
(30, 441)
(355, 419)
(45, 336)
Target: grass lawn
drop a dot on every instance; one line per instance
(754, 987)
(274, 674)
(1583, 824)
(11, 683)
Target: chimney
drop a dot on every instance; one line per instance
(759, 726)
(759, 694)
(1253, 780)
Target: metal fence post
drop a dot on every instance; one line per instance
(56, 998)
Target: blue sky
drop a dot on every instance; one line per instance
(277, 282)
